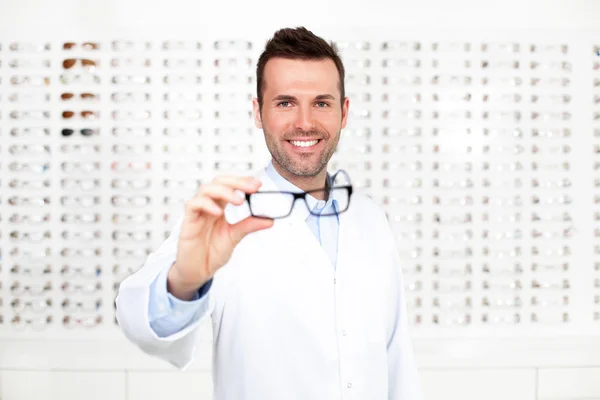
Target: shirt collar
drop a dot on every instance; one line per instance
(299, 209)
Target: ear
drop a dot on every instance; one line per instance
(345, 111)
(256, 111)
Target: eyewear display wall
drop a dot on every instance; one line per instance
(483, 153)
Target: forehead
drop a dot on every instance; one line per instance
(310, 76)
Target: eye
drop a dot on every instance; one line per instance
(322, 104)
(283, 104)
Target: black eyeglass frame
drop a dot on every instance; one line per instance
(302, 195)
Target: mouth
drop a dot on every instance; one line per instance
(304, 145)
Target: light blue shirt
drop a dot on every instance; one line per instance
(168, 314)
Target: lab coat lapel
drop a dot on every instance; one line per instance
(303, 240)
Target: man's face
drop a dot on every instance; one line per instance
(301, 103)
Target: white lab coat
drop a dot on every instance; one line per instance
(286, 324)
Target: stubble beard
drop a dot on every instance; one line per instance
(299, 164)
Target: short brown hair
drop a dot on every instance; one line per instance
(297, 44)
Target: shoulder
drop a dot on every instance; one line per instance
(365, 207)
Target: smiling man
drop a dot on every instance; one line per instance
(306, 298)
(302, 109)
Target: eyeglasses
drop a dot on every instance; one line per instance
(132, 184)
(81, 252)
(37, 324)
(131, 236)
(235, 45)
(176, 151)
(131, 131)
(29, 97)
(182, 132)
(30, 115)
(31, 269)
(140, 115)
(84, 132)
(19, 289)
(80, 149)
(29, 47)
(123, 219)
(121, 271)
(69, 271)
(279, 204)
(131, 79)
(85, 78)
(130, 62)
(29, 149)
(84, 218)
(86, 305)
(29, 218)
(189, 114)
(79, 167)
(130, 45)
(130, 166)
(84, 114)
(34, 254)
(84, 46)
(131, 201)
(135, 253)
(37, 305)
(30, 80)
(85, 236)
(136, 97)
(184, 97)
(83, 288)
(35, 201)
(85, 322)
(90, 65)
(83, 96)
(83, 184)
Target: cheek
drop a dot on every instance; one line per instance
(276, 124)
(331, 121)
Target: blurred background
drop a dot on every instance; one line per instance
(475, 124)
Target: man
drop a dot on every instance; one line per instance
(303, 307)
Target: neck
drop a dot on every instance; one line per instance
(305, 183)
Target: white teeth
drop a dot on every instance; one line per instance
(304, 143)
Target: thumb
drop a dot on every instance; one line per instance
(248, 225)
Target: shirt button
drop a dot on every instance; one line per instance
(344, 332)
(349, 385)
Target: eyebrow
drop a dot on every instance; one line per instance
(287, 97)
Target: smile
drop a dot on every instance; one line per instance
(304, 143)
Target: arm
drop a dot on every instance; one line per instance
(403, 377)
(166, 313)
(135, 306)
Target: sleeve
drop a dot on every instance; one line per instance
(133, 309)
(166, 313)
(403, 377)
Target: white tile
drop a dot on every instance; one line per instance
(88, 385)
(169, 385)
(63, 385)
(25, 385)
(473, 384)
(555, 383)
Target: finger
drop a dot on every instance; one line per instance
(202, 204)
(222, 193)
(248, 225)
(246, 184)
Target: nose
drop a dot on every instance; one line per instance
(304, 119)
